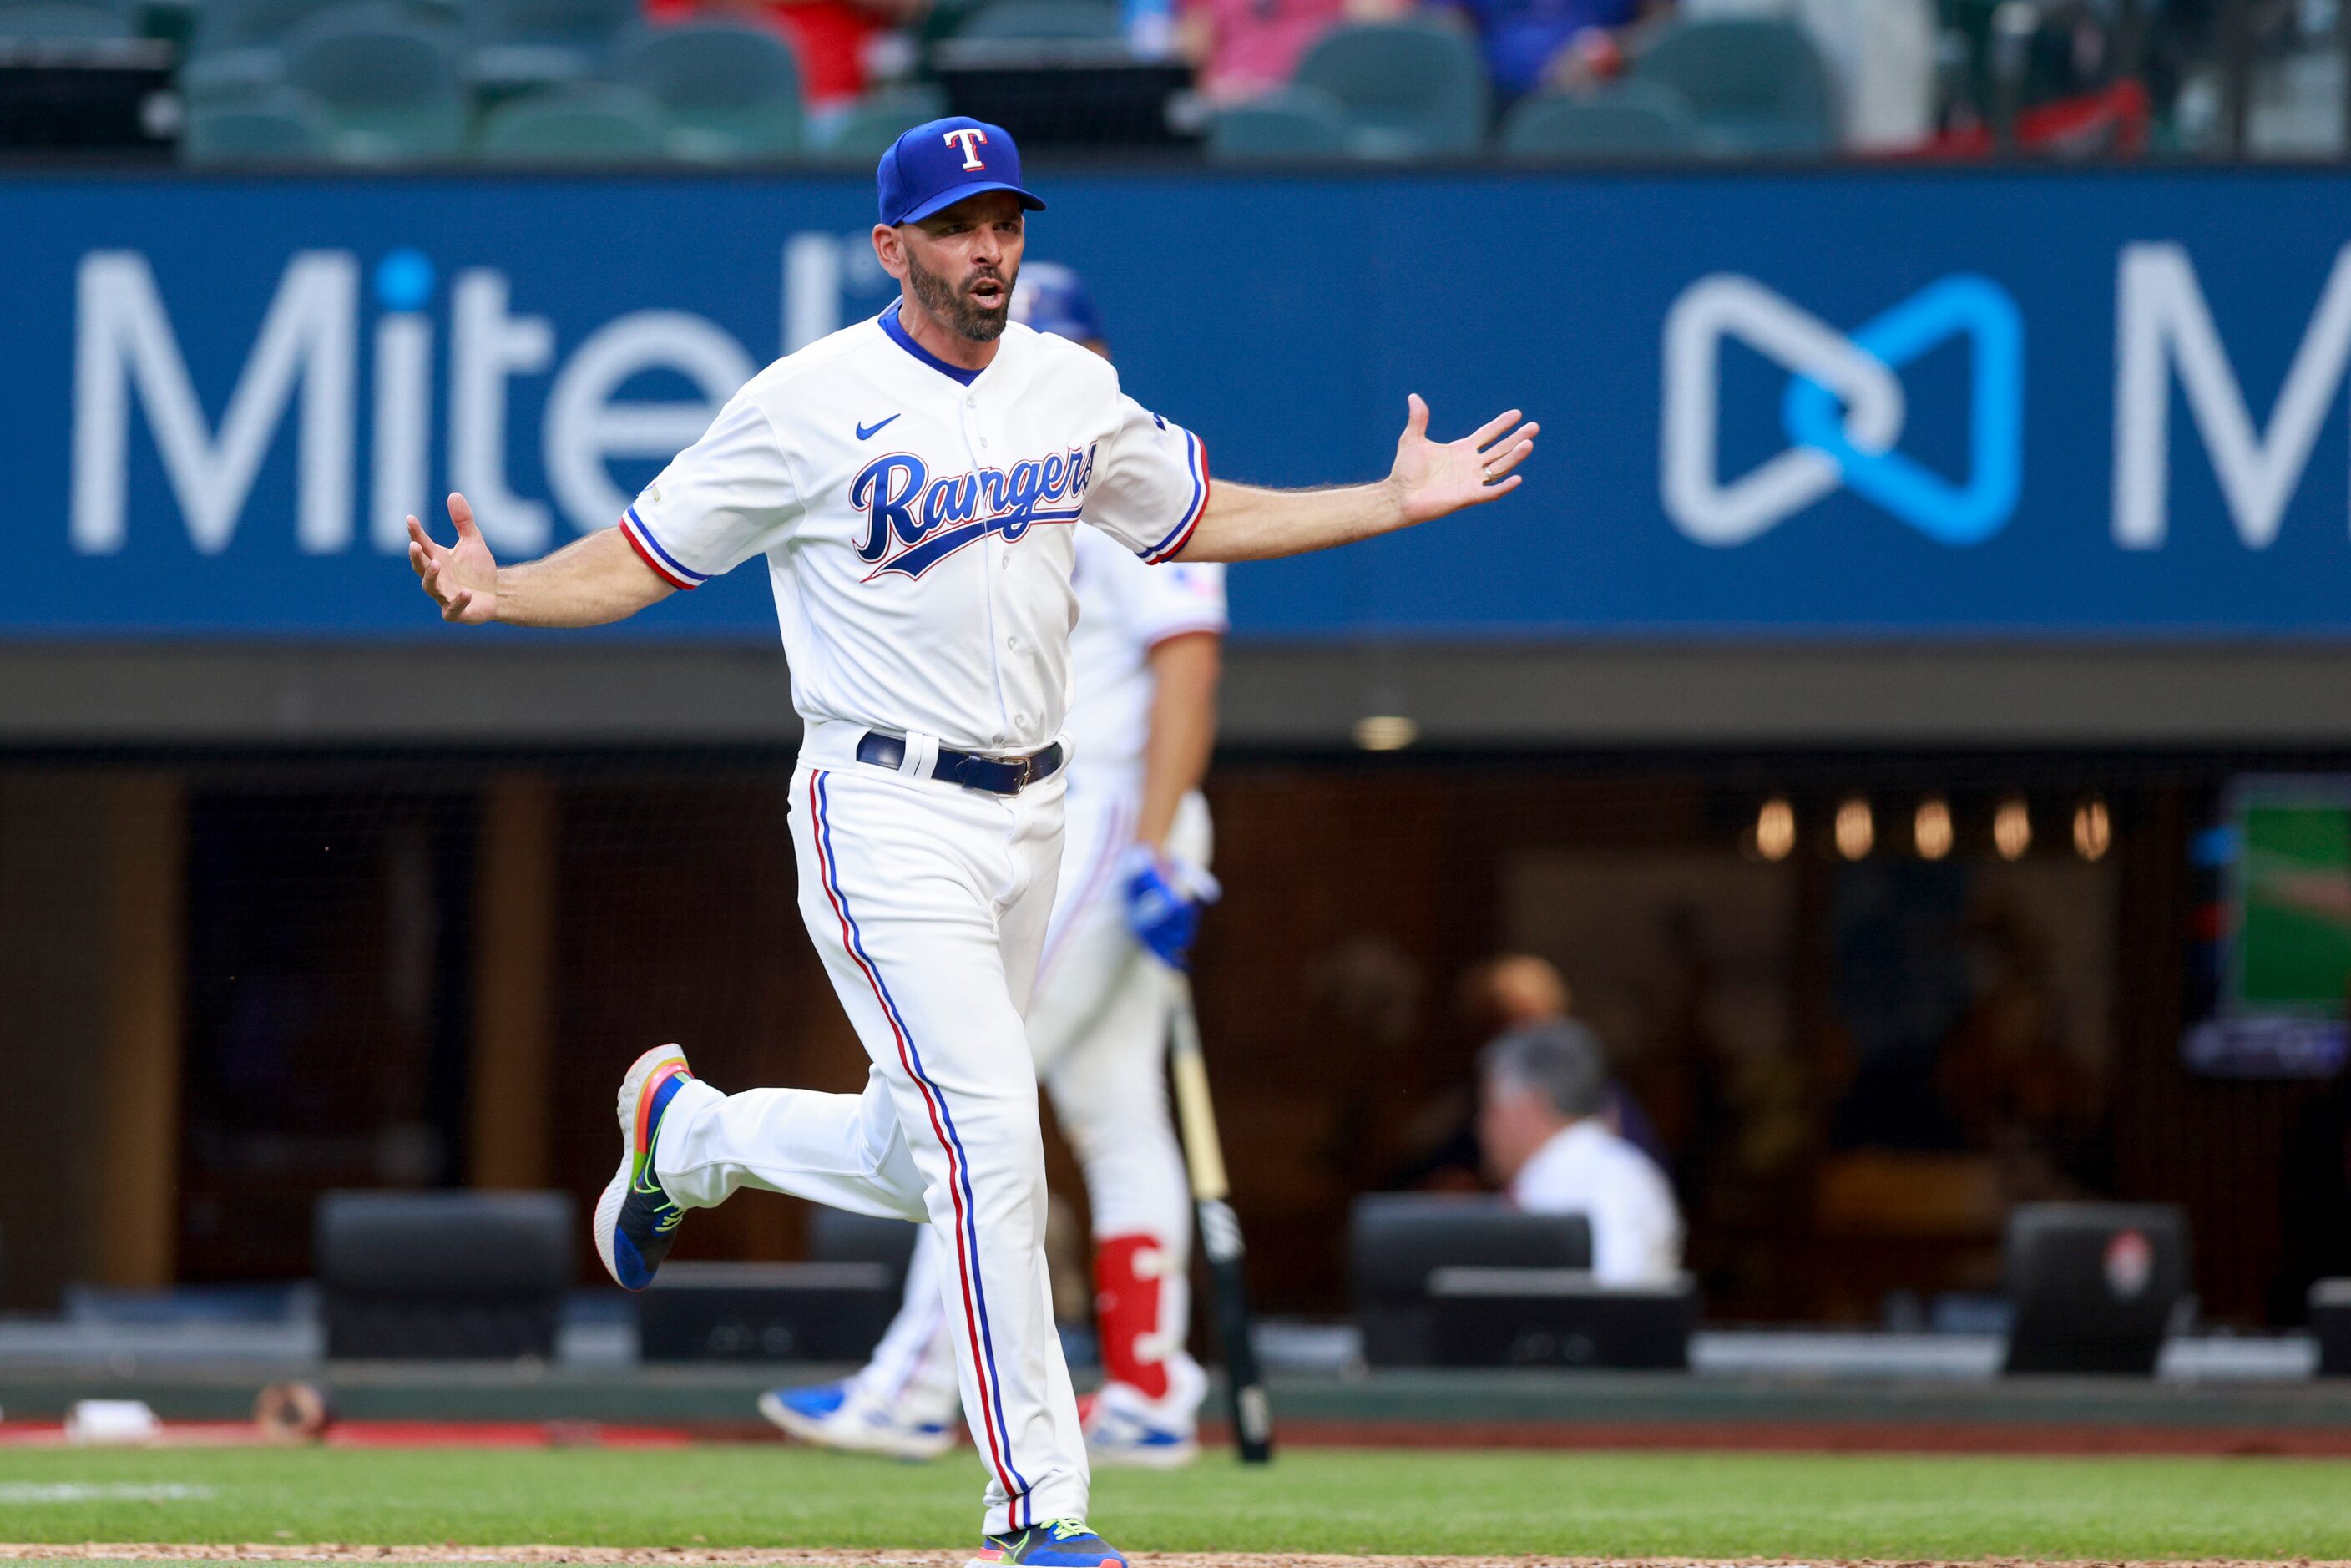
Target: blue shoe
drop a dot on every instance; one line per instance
(635, 1220)
(1056, 1543)
(835, 1416)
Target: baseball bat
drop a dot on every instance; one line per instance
(1220, 1232)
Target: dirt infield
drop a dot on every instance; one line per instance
(622, 1558)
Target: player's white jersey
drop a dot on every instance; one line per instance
(1126, 607)
(917, 522)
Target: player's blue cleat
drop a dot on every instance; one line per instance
(837, 1416)
(1056, 1543)
(635, 1220)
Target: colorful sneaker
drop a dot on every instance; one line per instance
(1056, 1543)
(835, 1416)
(635, 1220)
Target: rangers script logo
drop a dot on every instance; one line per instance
(913, 521)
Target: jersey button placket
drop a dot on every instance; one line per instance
(975, 443)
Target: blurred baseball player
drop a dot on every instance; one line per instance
(914, 485)
(1140, 724)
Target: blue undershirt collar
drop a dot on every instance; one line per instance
(906, 340)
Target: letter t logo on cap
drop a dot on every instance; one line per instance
(970, 138)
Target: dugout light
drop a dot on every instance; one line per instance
(1385, 732)
(1930, 829)
(2012, 829)
(2094, 831)
(1857, 829)
(1775, 829)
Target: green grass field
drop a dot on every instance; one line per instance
(1711, 1505)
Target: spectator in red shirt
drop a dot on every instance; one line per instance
(830, 37)
(1242, 48)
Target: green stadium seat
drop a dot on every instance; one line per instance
(520, 45)
(1754, 83)
(242, 24)
(282, 126)
(1085, 19)
(589, 124)
(64, 22)
(1635, 119)
(1288, 124)
(394, 90)
(238, 48)
(728, 94)
(1410, 90)
(858, 135)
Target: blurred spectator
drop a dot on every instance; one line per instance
(1242, 48)
(1510, 990)
(1538, 1119)
(1880, 54)
(835, 39)
(1530, 45)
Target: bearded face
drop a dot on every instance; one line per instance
(976, 306)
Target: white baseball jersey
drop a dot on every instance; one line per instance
(916, 519)
(1125, 608)
(1584, 1168)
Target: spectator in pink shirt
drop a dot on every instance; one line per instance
(1244, 47)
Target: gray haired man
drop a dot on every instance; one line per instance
(1542, 1087)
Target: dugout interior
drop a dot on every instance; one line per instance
(243, 975)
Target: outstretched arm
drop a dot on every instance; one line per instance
(586, 583)
(1430, 479)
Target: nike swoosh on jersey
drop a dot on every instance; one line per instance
(868, 432)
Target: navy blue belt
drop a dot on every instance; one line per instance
(996, 775)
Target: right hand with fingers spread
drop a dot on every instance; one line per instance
(462, 578)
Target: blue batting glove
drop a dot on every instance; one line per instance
(1163, 900)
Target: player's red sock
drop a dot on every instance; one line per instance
(1126, 1311)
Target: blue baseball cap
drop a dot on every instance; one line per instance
(941, 162)
(1050, 297)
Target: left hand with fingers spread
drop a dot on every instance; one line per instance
(1165, 896)
(462, 578)
(1432, 478)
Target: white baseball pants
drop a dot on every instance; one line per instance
(1098, 1028)
(929, 905)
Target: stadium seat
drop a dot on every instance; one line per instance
(60, 22)
(234, 50)
(860, 133)
(442, 1275)
(520, 45)
(239, 45)
(282, 126)
(1410, 90)
(1043, 19)
(1636, 119)
(727, 93)
(1754, 83)
(586, 124)
(1300, 123)
(394, 90)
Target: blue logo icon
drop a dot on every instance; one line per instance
(1844, 412)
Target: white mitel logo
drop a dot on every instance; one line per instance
(306, 360)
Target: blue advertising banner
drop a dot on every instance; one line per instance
(1842, 404)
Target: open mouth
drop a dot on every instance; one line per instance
(988, 292)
